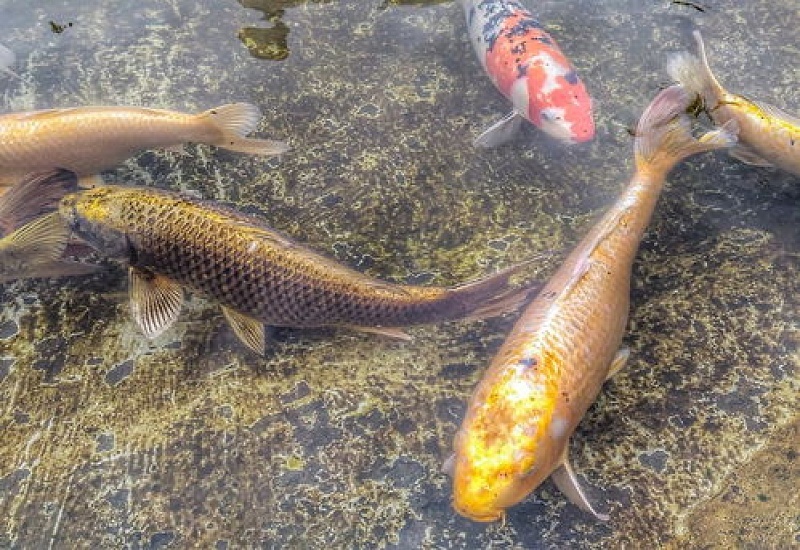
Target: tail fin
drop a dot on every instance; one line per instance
(490, 296)
(663, 135)
(34, 251)
(235, 121)
(35, 195)
(695, 74)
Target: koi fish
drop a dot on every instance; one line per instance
(259, 277)
(529, 68)
(568, 340)
(767, 135)
(88, 140)
(31, 243)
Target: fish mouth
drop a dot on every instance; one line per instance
(485, 517)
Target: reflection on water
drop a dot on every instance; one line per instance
(338, 439)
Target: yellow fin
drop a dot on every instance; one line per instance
(34, 250)
(249, 330)
(619, 361)
(155, 301)
(778, 114)
(567, 482)
(235, 121)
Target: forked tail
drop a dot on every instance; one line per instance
(235, 121)
(664, 137)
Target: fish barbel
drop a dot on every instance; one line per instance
(527, 66)
(88, 140)
(567, 341)
(767, 136)
(259, 277)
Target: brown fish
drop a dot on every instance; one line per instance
(258, 276)
(88, 140)
(567, 342)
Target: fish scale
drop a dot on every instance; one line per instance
(567, 341)
(257, 273)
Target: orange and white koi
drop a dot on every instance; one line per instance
(767, 135)
(568, 341)
(88, 140)
(529, 68)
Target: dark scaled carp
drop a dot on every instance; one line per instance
(259, 277)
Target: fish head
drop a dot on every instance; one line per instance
(505, 448)
(554, 98)
(93, 216)
(567, 115)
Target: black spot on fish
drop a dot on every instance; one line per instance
(519, 48)
(528, 362)
(571, 77)
(523, 27)
(522, 70)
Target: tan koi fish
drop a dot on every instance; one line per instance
(567, 342)
(88, 140)
(259, 277)
(767, 135)
(32, 245)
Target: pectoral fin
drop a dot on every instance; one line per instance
(249, 330)
(155, 301)
(500, 132)
(449, 465)
(567, 482)
(618, 362)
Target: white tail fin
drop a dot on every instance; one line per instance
(235, 121)
(694, 73)
(664, 138)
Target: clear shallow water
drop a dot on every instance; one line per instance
(338, 438)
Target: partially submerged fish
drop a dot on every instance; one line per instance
(529, 68)
(88, 140)
(259, 277)
(568, 341)
(31, 243)
(767, 135)
(7, 59)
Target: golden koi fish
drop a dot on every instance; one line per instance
(567, 342)
(88, 140)
(767, 135)
(259, 277)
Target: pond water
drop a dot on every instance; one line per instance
(338, 438)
